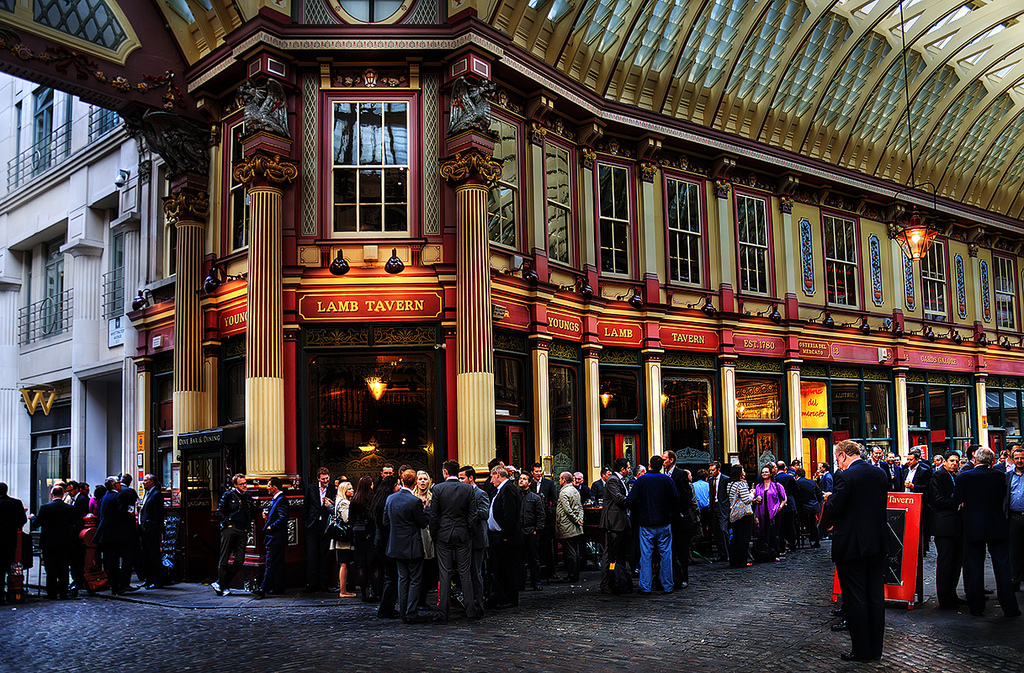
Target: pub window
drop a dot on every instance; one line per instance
(685, 249)
(509, 386)
(613, 196)
(564, 400)
(238, 199)
(51, 452)
(933, 282)
(619, 395)
(687, 413)
(840, 238)
(759, 399)
(753, 241)
(559, 202)
(1006, 296)
(371, 168)
(503, 196)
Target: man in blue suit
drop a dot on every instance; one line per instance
(858, 505)
(982, 494)
(275, 539)
(404, 516)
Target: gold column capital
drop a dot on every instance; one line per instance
(462, 165)
(187, 205)
(269, 167)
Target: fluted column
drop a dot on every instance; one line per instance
(541, 397)
(187, 208)
(266, 175)
(142, 418)
(13, 416)
(655, 414)
(902, 420)
(730, 433)
(592, 405)
(470, 170)
(982, 408)
(796, 417)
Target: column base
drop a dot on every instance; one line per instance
(474, 394)
(264, 427)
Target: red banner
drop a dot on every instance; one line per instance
(232, 320)
(565, 326)
(753, 344)
(683, 338)
(615, 333)
(946, 361)
(377, 304)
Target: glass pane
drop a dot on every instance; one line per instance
(687, 414)
(619, 395)
(344, 218)
(370, 140)
(621, 194)
(1011, 415)
(370, 186)
(939, 409)
(564, 417)
(758, 399)
(395, 185)
(605, 191)
(509, 386)
(344, 123)
(396, 134)
(370, 218)
(993, 403)
(876, 409)
(558, 235)
(846, 409)
(916, 405)
(396, 218)
(344, 185)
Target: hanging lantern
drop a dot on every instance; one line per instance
(912, 234)
(606, 398)
(376, 386)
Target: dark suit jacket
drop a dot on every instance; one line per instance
(597, 489)
(81, 504)
(12, 520)
(532, 514)
(982, 491)
(685, 489)
(808, 495)
(452, 512)
(506, 513)
(614, 516)
(946, 520)
(275, 530)
(314, 512)
(788, 482)
(857, 505)
(151, 516)
(921, 479)
(723, 494)
(548, 493)
(116, 523)
(57, 521)
(482, 504)
(584, 492)
(824, 482)
(405, 518)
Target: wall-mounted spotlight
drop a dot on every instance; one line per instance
(707, 308)
(584, 287)
(955, 337)
(1005, 343)
(897, 329)
(142, 300)
(981, 339)
(530, 273)
(394, 264)
(772, 312)
(215, 278)
(826, 319)
(928, 333)
(339, 267)
(865, 328)
(636, 300)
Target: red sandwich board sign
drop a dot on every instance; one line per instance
(903, 563)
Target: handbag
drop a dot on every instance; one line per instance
(739, 509)
(338, 530)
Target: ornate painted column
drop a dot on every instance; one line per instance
(592, 405)
(541, 396)
(981, 421)
(655, 413)
(187, 208)
(902, 421)
(470, 167)
(795, 421)
(143, 389)
(730, 433)
(266, 174)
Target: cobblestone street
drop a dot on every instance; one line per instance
(768, 617)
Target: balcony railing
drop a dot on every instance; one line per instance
(46, 153)
(113, 294)
(102, 122)
(46, 318)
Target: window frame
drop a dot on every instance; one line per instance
(940, 250)
(997, 260)
(827, 261)
(769, 247)
(572, 228)
(413, 166)
(232, 131)
(517, 189)
(702, 234)
(631, 226)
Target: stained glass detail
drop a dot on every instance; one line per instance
(89, 20)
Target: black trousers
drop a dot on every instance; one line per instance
(862, 582)
(571, 556)
(319, 562)
(740, 543)
(787, 528)
(152, 563)
(502, 556)
(232, 546)
(948, 562)
(681, 552)
(77, 560)
(1016, 542)
(529, 554)
(118, 560)
(58, 567)
(615, 562)
(974, 575)
(389, 592)
(273, 572)
(450, 559)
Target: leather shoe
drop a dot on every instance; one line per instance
(258, 595)
(839, 626)
(836, 612)
(852, 657)
(1012, 614)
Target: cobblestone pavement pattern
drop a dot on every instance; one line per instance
(771, 617)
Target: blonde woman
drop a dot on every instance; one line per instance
(430, 574)
(343, 549)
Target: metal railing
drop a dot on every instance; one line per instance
(113, 294)
(102, 122)
(46, 318)
(46, 153)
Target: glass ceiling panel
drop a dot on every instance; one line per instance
(845, 91)
(805, 72)
(608, 17)
(996, 157)
(653, 40)
(923, 105)
(978, 135)
(1015, 171)
(706, 51)
(887, 100)
(756, 66)
(558, 9)
(951, 124)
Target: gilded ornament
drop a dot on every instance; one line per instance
(265, 166)
(648, 171)
(193, 206)
(462, 166)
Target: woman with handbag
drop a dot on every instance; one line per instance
(430, 572)
(362, 534)
(741, 515)
(766, 523)
(343, 545)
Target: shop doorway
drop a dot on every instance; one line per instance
(511, 446)
(615, 445)
(816, 448)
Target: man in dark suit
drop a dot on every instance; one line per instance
(56, 519)
(151, 530)
(681, 522)
(504, 538)
(824, 478)
(405, 519)
(808, 504)
(878, 460)
(948, 531)
(235, 513)
(718, 485)
(545, 488)
(915, 477)
(857, 506)
(452, 519)
(80, 501)
(116, 535)
(982, 494)
(1015, 512)
(617, 532)
(12, 520)
(275, 539)
(597, 488)
(482, 502)
(532, 517)
(318, 507)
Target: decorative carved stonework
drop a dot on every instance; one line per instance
(722, 188)
(370, 78)
(752, 180)
(648, 171)
(685, 163)
(181, 143)
(260, 165)
(500, 97)
(265, 107)
(805, 195)
(537, 133)
(972, 250)
(145, 170)
(471, 107)
(462, 166)
(187, 205)
(587, 157)
(786, 205)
